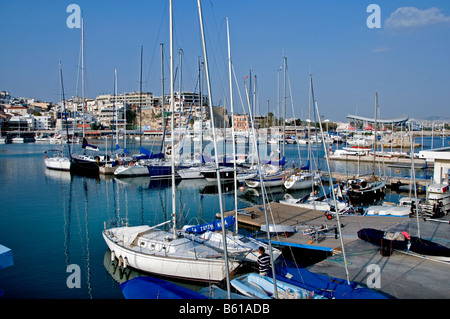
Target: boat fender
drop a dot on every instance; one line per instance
(120, 261)
(125, 262)
(113, 255)
(97, 159)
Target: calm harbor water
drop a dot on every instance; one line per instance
(52, 220)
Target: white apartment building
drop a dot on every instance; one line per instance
(42, 122)
(136, 99)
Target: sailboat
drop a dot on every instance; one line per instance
(85, 164)
(167, 253)
(59, 161)
(137, 165)
(305, 178)
(363, 191)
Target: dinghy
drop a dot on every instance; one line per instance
(262, 287)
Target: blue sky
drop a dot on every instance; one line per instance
(406, 60)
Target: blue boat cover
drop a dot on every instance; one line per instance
(306, 167)
(326, 286)
(157, 156)
(155, 288)
(212, 226)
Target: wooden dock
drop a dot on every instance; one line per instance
(307, 220)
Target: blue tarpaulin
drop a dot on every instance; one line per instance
(212, 226)
(326, 286)
(155, 288)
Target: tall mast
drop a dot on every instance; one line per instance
(140, 101)
(162, 98)
(327, 156)
(82, 73)
(232, 131)
(375, 128)
(210, 102)
(179, 88)
(64, 106)
(263, 192)
(284, 106)
(116, 107)
(413, 174)
(172, 126)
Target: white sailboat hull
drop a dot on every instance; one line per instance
(58, 163)
(178, 258)
(301, 181)
(268, 180)
(130, 171)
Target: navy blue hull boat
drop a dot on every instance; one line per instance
(400, 241)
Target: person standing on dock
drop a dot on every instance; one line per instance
(263, 262)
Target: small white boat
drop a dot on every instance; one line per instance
(58, 161)
(313, 203)
(301, 180)
(388, 210)
(262, 287)
(278, 229)
(18, 140)
(132, 169)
